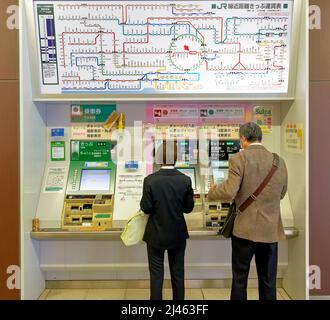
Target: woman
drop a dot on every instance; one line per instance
(167, 195)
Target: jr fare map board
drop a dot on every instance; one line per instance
(156, 47)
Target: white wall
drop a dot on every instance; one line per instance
(296, 278)
(32, 162)
(111, 260)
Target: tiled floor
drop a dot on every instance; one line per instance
(143, 294)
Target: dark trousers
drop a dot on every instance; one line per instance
(266, 262)
(156, 269)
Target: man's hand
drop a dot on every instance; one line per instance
(211, 194)
(213, 187)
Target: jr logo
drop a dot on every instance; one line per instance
(221, 6)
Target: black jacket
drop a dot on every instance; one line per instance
(167, 194)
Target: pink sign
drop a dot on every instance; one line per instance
(173, 113)
(198, 113)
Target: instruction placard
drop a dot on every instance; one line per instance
(57, 150)
(294, 138)
(130, 187)
(55, 179)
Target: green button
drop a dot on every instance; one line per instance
(103, 216)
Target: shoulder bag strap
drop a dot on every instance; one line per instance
(253, 197)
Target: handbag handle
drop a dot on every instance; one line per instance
(253, 197)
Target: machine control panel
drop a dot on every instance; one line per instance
(219, 152)
(88, 203)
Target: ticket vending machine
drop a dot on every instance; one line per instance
(187, 163)
(217, 144)
(219, 153)
(89, 196)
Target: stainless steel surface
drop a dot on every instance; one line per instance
(59, 234)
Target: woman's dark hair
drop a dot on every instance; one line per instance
(167, 153)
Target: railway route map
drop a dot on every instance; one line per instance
(159, 47)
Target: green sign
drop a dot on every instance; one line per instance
(45, 9)
(57, 150)
(90, 150)
(91, 112)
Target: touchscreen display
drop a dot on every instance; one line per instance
(95, 180)
(190, 172)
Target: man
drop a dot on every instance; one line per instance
(257, 229)
(167, 194)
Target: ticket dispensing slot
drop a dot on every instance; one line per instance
(219, 153)
(89, 194)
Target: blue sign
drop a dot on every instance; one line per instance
(57, 132)
(132, 165)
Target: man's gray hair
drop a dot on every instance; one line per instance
(251, 131)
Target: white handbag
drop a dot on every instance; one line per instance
(134, 229)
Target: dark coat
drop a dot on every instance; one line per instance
(167, 195)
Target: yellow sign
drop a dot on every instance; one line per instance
(294, 137)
